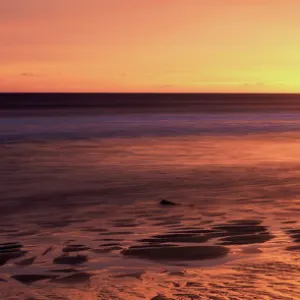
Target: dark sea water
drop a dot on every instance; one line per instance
(80, 216)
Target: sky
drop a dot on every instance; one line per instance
(149, 46)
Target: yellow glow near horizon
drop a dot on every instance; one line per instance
(150, 46)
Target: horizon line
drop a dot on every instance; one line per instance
(155, 93)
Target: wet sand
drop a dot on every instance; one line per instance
(209, 255)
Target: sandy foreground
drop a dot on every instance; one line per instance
(162, 252)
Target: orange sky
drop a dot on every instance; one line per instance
(150, 45)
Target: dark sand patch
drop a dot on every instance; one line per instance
(246, 222)
(91, 229)
(186, 253)
(246, 239)
(289, 222)
(293, 231)
(296, 238)
(241, 232)
(70, 260)
(168, 223)
(10, 251)
(178, 238)
(30, 278)
(107, 250)
(75, 248)
(69, 270)
(137, 275)
(294, 234)
(293, 248)
(108, 240)
(117, 233)
(123, 225)
(152, 246)
(161, 297)
(240, 229)
(10, 246)
(191, 231)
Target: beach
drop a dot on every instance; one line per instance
(81, 212)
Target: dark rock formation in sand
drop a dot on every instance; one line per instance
(167, 202)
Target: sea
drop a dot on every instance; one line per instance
(158, 197)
